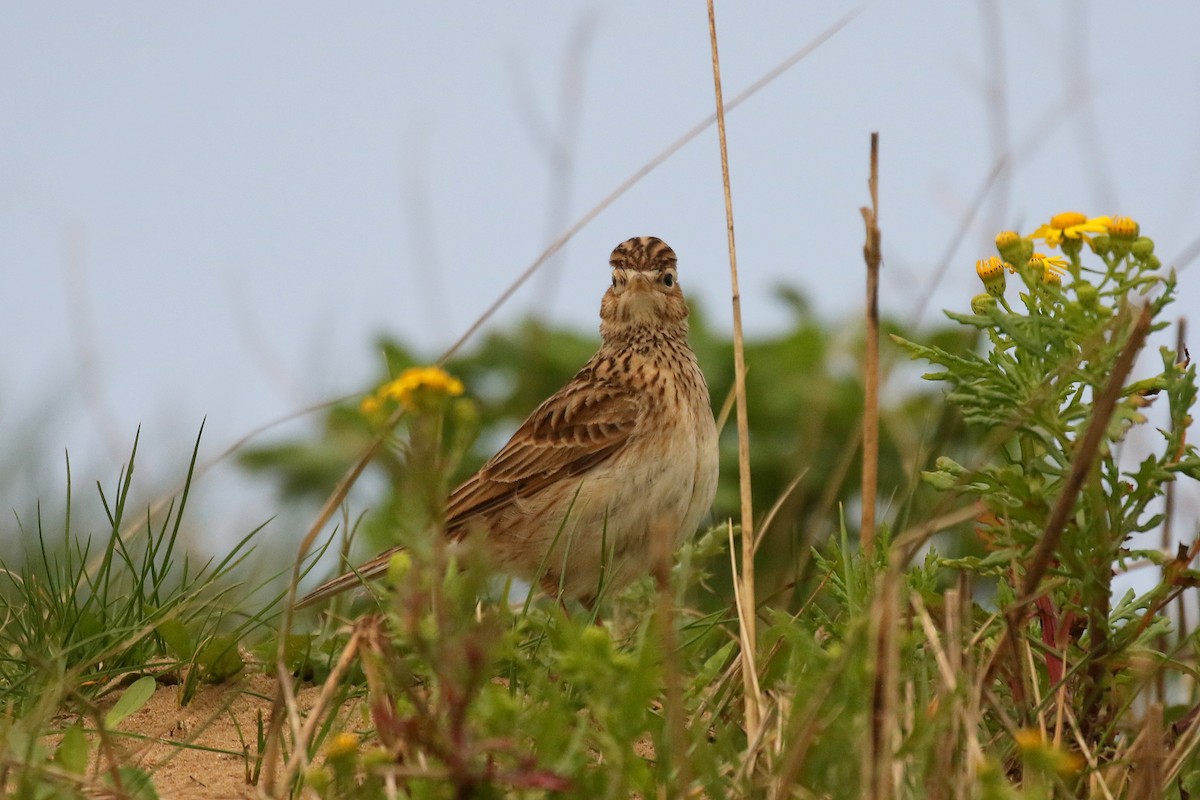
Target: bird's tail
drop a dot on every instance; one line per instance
(356, 577)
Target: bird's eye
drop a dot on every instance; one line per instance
(668, 280)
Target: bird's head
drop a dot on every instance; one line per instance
(645, 292)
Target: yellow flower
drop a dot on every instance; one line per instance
(341, 746)
(371, 404)
(1123, 228)
(1047, 755)
(404, 389)
(1070, 225)
(1052, 267)
(1028, 738)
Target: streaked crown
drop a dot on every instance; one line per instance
(642, 253)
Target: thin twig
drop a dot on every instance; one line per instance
(873, 257)
(748, 620)
(879, 757)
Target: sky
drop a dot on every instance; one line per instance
(211, 210)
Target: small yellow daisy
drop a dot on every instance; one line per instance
(1052, 267)
(1070, 225)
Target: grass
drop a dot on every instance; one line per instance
(83, 624)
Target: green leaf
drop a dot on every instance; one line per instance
(177, 638)
(72, 753)
(220, 659)
(135, 783)
(132, 700)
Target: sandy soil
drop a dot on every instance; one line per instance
(180, 745)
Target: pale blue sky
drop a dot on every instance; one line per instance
(243, 194)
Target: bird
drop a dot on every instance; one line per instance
(615, 468)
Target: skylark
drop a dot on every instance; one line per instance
(616, 467)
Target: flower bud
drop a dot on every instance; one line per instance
(1087, 294)
(982, 304)
(398, 567)
(1123, 228)
(1101, 245)
(1141, 247)
(991, 272)
(317, 778)
(1013, 247)
(1122, 231)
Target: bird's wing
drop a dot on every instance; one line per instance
(573, 431)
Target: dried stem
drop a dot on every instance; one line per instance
(873, 257)
(885, 640)
(747, 606)
(1102, 412)
(878, 756)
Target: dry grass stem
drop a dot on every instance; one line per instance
(754, 703)
(873, 258)
(316, 715)
(879, 755)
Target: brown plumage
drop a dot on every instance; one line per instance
(625, 452)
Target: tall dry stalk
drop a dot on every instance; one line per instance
(747, 608)
(877, 768)
(873, 257)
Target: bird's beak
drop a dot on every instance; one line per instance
(639, 282)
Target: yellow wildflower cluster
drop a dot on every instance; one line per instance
(1115, 236)
(412, 384)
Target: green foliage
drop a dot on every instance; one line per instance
(98, 616)
(1032, 394)
(79, 625)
